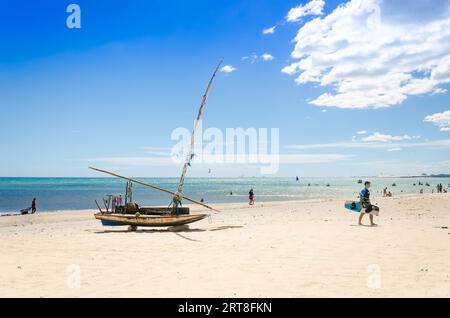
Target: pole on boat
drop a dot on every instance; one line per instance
(189, 155)
(98, 206)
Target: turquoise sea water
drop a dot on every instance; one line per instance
(79, 193)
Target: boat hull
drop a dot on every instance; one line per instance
(110, 219)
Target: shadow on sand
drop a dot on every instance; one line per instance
(177, 230)
(172, 229)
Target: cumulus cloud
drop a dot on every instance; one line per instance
(314, 7)
(228, 69)
(377, 137)
(267, 57)
(270, 30)
(362, 132)
(442, 120)
(375, 53)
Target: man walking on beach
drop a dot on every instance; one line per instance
(365, 204)
(251, 197)
(33, 206)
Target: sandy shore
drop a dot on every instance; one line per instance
(280, 249)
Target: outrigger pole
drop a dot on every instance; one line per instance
(153, 187)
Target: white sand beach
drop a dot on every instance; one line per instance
(278, 249)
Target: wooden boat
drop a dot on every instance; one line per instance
(132, 215)
(148, 210)
(114, 219)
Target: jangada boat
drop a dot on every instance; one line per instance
(114, 219)
(132, 215)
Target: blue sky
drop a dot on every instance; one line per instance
(105, 94)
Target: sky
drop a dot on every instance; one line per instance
(356, 87)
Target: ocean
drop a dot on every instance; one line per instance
(55, 194)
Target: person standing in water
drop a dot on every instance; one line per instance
(33, 206)
(365, 204)
(251, 197)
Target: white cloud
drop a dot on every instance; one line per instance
(135, 161)
(254, 58)
(314, 7)
(377, 137)
(157, 151)
(312, 158)
(362, 132)
(442, 120)
(291, 69)
(267, 57)
(435, 144)
(270, 30)
(228, 69)
(209, 162)
(394, 149)
(375, 53)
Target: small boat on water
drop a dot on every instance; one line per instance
(394, 184)
(132, 215)
(359, 181)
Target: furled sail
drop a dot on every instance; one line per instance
(190, 155)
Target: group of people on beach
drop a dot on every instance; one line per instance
(440, 189)
(116, 202)
(387, 193)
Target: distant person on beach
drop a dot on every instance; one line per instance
(119, 200)
(33, 206)
(385, 192)
(365, 203)
(114, 204)
(251, 197)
